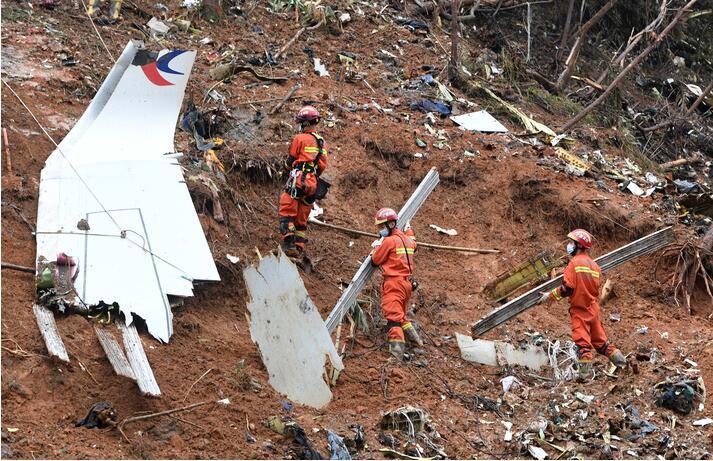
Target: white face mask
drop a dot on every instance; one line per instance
(571, 247)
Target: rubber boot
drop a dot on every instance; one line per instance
(618, 359)
(412, 335)
(289, 247)
(584, 372)
(397, 349)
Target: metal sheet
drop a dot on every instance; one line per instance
(287, 327)
(640, 247)
(48, 328)
(479, 121)
(116, 169)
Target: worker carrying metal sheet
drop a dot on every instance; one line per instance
(306, 162)
(394, 253)
(581, 284)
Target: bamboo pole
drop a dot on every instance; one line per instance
(421, 244)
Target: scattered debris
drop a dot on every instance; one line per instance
(101, 415)
(294, 357)
(426, 105)
(451, 232)
(498, 353)
(320, 69)
(535, 269)
(232, 259)
(479, 121)
(337, 447)
(510, 383)
(703, 422)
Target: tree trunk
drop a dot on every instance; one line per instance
(455, 27)
(581, 36)
(627, 69)
(565, 32)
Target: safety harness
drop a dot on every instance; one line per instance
(296, 183)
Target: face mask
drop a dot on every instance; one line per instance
(384, 232)
(571, 247)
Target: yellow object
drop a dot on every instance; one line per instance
(572, 159)
(534, 269)
(212, 160)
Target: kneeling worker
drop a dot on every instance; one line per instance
(394, 252)
(581, 285)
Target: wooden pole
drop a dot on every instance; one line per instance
(421, 244)
(15, 267)
(8, 160)
(627, 69)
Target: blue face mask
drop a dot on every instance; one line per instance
(384, 232)
(571, 248)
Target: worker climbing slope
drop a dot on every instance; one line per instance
(306, 162)
(394, 252)
(581, 284)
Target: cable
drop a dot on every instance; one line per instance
(97, 31)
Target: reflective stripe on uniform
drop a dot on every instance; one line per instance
(406, 326)
(586, 270)
(556, 294)
(401, 251)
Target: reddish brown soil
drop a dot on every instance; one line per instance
(480, 197)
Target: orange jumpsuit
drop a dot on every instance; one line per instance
(581, 284)
(294, 211)
(395, 256)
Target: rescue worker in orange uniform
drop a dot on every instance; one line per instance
(394, 252)
(306, 161)
(581, 284)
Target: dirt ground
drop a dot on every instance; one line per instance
(489, 198)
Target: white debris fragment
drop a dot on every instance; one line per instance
(691, 363)
(291, 335)
(508, 430)
(320, 68)
(479, 121)
(315, 211)
(157, 26)
(345, 18)
(451, 232)
(224, 402)
(703, 422)
(537, 452)
(191, 4)
(588, 399)
(232, 259)
(498, 353)
(510, 383)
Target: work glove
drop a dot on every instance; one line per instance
(377, 242)
(408, 225)
(545, 298)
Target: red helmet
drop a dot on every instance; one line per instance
(308, 114)
(385, 214)
(582, 237)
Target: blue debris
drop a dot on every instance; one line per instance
(426, 105)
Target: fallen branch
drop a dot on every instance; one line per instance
(421, 244)
(132, 419)
(627, 69)
(680, 162)
(15, 267)
(8, 159)
(22, 216)
(633, 41)
(590, 82)
(196, 382)
(287, 97)
(287, 45)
